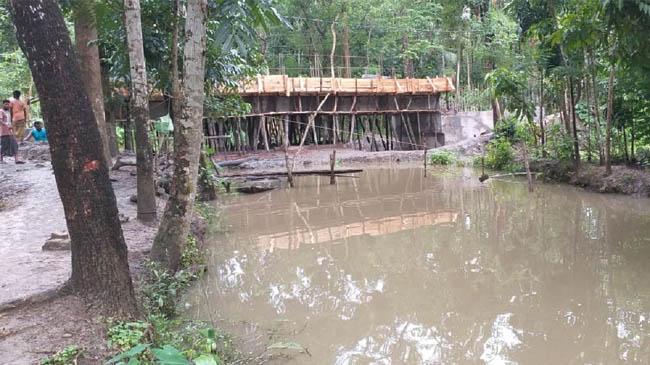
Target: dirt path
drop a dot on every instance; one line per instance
(31, 332)
(28, 220)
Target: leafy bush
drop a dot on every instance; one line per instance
(506, 129)
(192, 253)
(64, 357)
(441, 157)
(558, 143)
(125, 335)
(163, 289)
(499, 155)
(643, 155)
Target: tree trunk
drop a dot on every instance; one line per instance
(128, 131)
(594, 90)
(458, 60)
(408, 63)
(346, 48)
(496, 111)
(109, 112)
(176, 80)
(542, 135)
(86, 45)
(175, 224)
(608, 126)
(100, 269)
(576, 146)
(627, 155)
(333, 52)
(140, 111)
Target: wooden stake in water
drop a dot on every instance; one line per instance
(425, 162)
(332, 163)
(289, 172)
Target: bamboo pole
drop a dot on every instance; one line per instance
(332, 164)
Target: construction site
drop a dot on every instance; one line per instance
(373, 114)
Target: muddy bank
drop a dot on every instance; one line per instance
(312, 157)
(623, 180)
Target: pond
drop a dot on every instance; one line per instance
(396, 268)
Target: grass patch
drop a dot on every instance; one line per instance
(442, 157)
(64, 357)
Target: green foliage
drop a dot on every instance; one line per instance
(192, 253)
(67, 356)
(499, 155)
(191, 343)
(560, 145)
(162, 289)
(643, 155)
(506, 129)
(124, 335)
(442, 157)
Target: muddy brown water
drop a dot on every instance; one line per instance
(394, 268)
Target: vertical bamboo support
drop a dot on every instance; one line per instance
(332, 163)
(425, 162)
(289, 169)
(264, 133)
(286, 133)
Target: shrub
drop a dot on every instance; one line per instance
(506, 129)
(499, 155)
(643, 155)
(64, 357)
(125, 335)
(442, 157)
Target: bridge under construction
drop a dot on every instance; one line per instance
(369, 113)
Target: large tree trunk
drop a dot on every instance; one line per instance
(175, 223)
(140, 111)
(100, 269)
(608, 126)
(85, 30)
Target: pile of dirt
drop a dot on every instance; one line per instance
(35, 151)
(469, 147)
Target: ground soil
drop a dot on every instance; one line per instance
(35, 320)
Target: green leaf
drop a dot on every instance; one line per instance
(135, 350)
(169, 355)
(205, 360)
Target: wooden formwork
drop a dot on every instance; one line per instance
(266, 85)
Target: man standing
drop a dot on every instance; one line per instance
(8, 144)
(18, 116)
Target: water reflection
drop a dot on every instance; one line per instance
(394, 268)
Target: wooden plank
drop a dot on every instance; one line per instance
(303, 172)
(433, 87)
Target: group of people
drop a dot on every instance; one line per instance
(13, 128)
